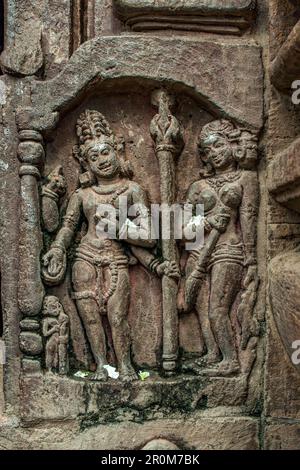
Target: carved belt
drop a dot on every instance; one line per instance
(112, 259)
(225, 253)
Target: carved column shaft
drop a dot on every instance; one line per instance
(169, 251)
(30, 289)
(165, 131)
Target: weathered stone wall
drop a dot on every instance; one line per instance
(218, 342)
(282, 380)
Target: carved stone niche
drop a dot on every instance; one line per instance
(69, 284)
(217, 16)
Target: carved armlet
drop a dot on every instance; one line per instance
(153, 265)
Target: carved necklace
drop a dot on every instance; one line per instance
(115, 193)
(218, 182)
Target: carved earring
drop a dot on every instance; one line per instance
(239, 153)
(86, 179)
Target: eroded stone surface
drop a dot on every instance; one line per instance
(282, 378)
(143, 61)
(102, 403)
(174, 114)
(195, 433)
(281, 436)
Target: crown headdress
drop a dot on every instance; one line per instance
(92, 125)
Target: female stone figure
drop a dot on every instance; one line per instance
(230, 194)
(100, 274)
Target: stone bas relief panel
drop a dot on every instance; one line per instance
(186, 318)
(230, 17)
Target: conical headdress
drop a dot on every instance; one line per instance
(92, 125)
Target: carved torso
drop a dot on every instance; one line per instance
(233, 192)
(221, 192)
(87, 201)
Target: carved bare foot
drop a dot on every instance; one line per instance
(208, 360)
(190, 366)
(128, 374)
(100, 375)
(224, 368)
(63, 371)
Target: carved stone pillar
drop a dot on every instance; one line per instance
(30, 291)
(166, 133)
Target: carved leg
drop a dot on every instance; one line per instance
(212, 350)
(84, 280)
(117, 310)
(225, 284)
(63, 359)
(51, 352)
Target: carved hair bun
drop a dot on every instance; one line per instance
(92, 125)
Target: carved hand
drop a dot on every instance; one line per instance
(251, 276)
(169, 269)
(58, 186)
(54, 261)
(219, 222)
(57, 182)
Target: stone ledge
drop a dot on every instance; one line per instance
(194, 432)
(51, 397)
(230, 7)
(284, 273)
(217, 16)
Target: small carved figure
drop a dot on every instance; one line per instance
(230, 195)
(100, 273)
(55, 326)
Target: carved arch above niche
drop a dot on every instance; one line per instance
(221, 90)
